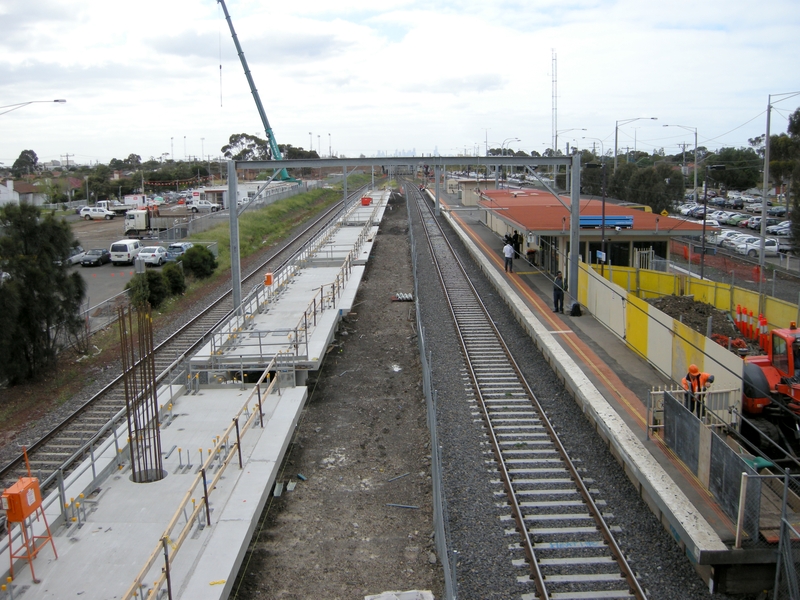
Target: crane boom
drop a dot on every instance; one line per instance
(273, 144)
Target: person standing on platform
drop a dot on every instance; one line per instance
(696, 384)
(516, 241)
(508, 252)
(558, 293)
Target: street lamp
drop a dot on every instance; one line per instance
(616, 133)
(502, 146)
(694, 129)
(330, 154)
(565, 131)
(310, 142)
(705, 210)
(11, 107)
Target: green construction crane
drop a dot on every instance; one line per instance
(273, 144)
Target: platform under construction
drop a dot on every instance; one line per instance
(224, 426)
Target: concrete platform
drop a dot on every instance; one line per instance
(122, 523)
(113, 536)
(294, 318)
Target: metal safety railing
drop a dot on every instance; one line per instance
(227, 448)
(714, 405)
(250, 343)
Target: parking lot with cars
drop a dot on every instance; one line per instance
(739, 218)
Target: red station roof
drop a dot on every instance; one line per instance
(539, 211)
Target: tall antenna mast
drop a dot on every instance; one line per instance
(554, 124)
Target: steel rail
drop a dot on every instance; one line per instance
(517, 513)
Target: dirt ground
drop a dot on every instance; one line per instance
(359, 520)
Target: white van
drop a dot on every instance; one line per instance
(124, 251)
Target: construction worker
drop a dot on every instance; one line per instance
(696, 384)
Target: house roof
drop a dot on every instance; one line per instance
(25, 188)
(539, 212)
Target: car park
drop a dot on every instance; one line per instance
(96, 212)
(752, 247)
(96, 257)
(177, 249)
(153, 255)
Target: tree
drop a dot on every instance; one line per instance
(619, 180)
(742, 168)
(25, 164)
(243, 146)
(41, 300)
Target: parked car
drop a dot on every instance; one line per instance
(75, 255)
(735, 202)
(79, 208)
(198, 205)
(754, 222)
(125, 251)
(96, 212)
(744, 222)
(153, 255)
(96, 257)
(783, 231)
(720, 237)
(736, 219)
(731, 242)
(752, 247)
(776, 227)
(177, 249)
(777, 211)
(687, 208)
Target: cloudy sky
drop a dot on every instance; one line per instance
(159, 78)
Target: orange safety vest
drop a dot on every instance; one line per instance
(697, 383)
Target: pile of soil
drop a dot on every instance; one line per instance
(695, 315)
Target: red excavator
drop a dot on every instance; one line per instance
(771, 392)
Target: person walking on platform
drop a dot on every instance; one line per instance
(508, 252)
(558, 293)
(696, 384)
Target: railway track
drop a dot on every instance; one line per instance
(60, 450)
(565, 540)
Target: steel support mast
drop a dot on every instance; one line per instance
(273, 144)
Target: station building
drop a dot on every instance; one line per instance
(544, 223)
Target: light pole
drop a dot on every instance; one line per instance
(11, 107)
(705, 210)
(172, 149)
(694, 129)
(616, 133)
(319, 148)
(202, 148)
(330, 154)
(602, 204)
(486, 139)
(86, 179)
(310, 142)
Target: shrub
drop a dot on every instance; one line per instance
(137, 290)
(152, 287)
(199, 261)
(173, 273)
(158, 287)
